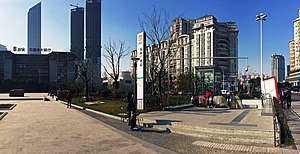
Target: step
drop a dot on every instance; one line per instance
(244, 139)
(210, 129)
(226, 135)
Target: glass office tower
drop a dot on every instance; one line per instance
(34, 30)
(77, 32)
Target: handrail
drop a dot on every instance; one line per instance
(276, 126)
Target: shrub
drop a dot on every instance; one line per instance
(245, 96)
(285, 133)
(256, 94)
(179, 100)
(117, 94)
(61, 94)
(106, 93)
(152, 103)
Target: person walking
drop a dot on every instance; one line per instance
(282, 98)
(130, 106)
(288, 98)
(69, 98)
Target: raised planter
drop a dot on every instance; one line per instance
(7, 106)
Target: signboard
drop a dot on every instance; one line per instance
(270, 87)
(18, 49)
(140, 70)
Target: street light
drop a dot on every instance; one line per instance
(261, 17)
(135, 60)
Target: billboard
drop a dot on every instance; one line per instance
(269, 86)
(140, 70)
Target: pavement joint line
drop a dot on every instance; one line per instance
(240, 117)
(295, 113)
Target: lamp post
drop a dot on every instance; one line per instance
(261, 17)
(135, 60)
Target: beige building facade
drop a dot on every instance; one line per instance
(294, 44)
(193, 43)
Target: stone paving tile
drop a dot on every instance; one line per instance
(274, 150)
(288, 151)
(260, 149)
(243, 148)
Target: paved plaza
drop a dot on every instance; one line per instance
(215, 118)
(36, 126)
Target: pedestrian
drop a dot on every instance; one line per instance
(208, 97)
(211, 98)
(288, 98)
(69, 98)
(282, 98)
(130, 106)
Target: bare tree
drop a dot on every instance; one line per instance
(157, 28)
(113, 54)
(85, 74)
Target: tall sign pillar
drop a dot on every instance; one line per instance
(140, 71)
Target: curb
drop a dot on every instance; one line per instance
(90, 110)
(171, 108)
(3, 115)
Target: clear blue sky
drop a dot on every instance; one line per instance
(120, 22)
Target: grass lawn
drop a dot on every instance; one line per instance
(113, 107)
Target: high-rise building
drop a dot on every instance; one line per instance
(93, 31)
(77, 32)
(2, 47)
(278, 67)
(294, 44)
(34, 30)
(195, 41)
(93, 39)
(198, 45)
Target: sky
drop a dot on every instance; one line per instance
(120, 21)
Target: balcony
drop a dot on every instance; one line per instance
(222, 51)
(223, 40)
